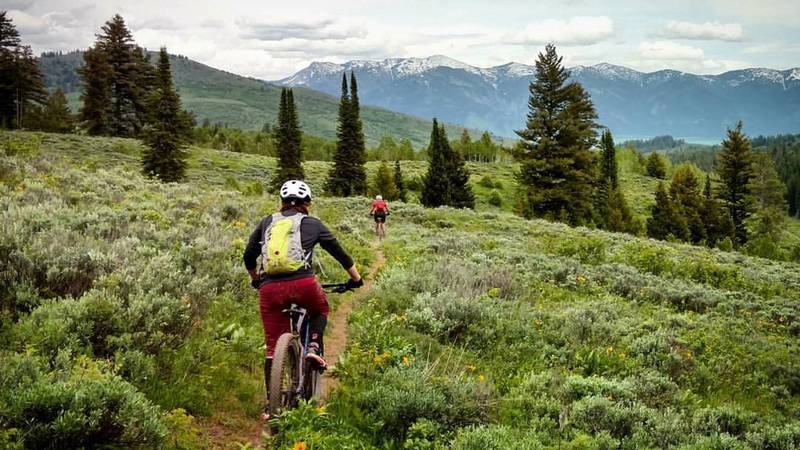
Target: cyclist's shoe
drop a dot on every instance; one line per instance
(313, 356)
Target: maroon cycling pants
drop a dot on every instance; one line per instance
(276, 296)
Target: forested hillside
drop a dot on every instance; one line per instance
(247, 103)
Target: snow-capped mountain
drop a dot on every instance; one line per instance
(630, 102)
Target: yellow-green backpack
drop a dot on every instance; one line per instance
(282, 250)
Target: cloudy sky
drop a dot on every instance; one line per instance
(269, 39)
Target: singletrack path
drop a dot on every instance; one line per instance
(236, 431)
(336, 341)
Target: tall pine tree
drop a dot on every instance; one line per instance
(95, 113)
(609, 159)
(21, 85)
(735, 170)
(117, 78)
(557, 168)
(167, 128)
(461, 195)
(348, 175)
(436, 186)
(288, 142)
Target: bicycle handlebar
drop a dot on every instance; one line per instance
(338, 288)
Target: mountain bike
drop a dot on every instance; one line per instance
(380, 231)
(291, 378)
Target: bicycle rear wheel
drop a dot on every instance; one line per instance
(285, 376)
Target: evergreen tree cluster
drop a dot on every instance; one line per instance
(348, 176)
(558, 170)
(288, 140)
(21, 85)
(749, 203)
(611, 208)
(447, 180)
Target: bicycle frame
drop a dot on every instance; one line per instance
(299, 328)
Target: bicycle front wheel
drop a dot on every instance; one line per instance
(284, 379)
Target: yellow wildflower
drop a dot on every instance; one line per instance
(377, 360)
(405, 360)
(610, 350)
(321, 409)
(299, 446)
(481, 377)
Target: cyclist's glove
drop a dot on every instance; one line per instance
(351, 285)
(256, 283)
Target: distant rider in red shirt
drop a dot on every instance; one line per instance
(379, 211)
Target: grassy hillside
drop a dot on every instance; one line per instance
(247, 103)
(127, 320)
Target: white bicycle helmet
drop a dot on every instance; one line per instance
(378, 197)
(295, 190)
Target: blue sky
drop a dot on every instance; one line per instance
(270, 39)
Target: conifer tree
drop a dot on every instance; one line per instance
(685, 192)
(735, 170)
(348, 175)
(718, 224)
(288, 142)
(21, 85)
(436, 186)
(655, 166)
(769, 200)
(167, 128)
(666, 220)
(557, 167)
(609, 159)
(95, 113)
(620, 218)
(399, 183)
(460, 195)
(55, 116)
(384, 183)
(122, 76)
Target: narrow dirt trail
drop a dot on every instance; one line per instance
(226, 432)
(336, 341)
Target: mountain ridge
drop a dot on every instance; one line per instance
(630, 102)
(248, 103)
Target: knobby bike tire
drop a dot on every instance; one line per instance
(285, 370)
(312, 383)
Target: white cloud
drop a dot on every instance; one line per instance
(658, 55)
(321, 29)
(575, 31)
(28, 24)
(668, 50)
(704, 31)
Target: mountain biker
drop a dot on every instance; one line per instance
(379, 211)
(282, 281)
